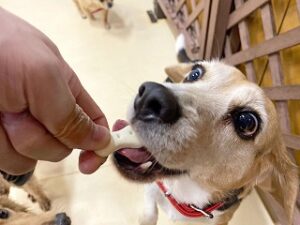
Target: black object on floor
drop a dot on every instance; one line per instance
(152, 16)
(17, 180)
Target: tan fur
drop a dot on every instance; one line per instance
(88, 7)
(20, 215)
(270, 158)
(204, 142)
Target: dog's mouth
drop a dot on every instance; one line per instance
(138, 163)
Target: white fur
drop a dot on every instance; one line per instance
(184, 190)
(180, 43)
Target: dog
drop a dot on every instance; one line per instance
(12, 213)
(87, 9)
(208, 141)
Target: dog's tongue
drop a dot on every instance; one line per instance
(137, 155)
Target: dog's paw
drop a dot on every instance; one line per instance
(4, 190)
(45, 204)
(107, 26)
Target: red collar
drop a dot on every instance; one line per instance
(189, 210)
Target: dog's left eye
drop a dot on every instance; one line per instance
(196, 73)
(246, 124)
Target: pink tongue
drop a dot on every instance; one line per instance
(137, 155)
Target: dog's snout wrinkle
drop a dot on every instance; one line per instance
(155, 102)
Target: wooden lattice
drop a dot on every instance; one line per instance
(220, 29)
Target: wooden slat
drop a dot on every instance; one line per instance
(298, 7)
(280, 42)
(275, 66)
(204, 28)
(181, 20)
(197, 28)
(283, 93)
(245, 41)
(179, 5)
(199, 8)
(292, 141)
(276, 212)
(297, 216)
(227, 48)
(244, 11)
(169, 17)
(219, 15)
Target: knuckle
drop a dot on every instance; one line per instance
(74, 128)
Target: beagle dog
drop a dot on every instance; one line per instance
(208, 141)
(88, 8)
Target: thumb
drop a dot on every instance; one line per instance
(79, 131)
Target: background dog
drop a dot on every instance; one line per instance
(12, 213)
(210, 140)
(88, 8)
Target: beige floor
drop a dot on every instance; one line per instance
(111, 65)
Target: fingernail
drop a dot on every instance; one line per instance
(101, 136)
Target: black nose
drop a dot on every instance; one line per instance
(4, 214)
(62, 219)
(155, 102)
(110, 4)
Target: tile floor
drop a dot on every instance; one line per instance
(111, 65)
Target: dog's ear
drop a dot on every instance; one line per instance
(285, 180)
(177, 72)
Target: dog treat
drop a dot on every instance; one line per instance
(124, 138)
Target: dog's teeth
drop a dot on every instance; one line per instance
(146, 165)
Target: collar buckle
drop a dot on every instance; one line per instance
(207, 214)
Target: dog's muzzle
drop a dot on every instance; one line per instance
(156, 102)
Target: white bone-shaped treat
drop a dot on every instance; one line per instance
(124, 138)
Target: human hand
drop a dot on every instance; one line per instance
(45, 111)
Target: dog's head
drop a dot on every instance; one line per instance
(109, 3)
(214, 126)
(12, 213)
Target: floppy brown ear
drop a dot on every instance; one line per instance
(285, 180)
(177, 72)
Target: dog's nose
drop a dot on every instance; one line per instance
(110, 4)
(4, 214)
(62, 219)
(155, 102)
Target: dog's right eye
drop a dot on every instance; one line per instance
(196, 73)
(4, 214)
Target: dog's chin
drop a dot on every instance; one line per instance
(139, 165)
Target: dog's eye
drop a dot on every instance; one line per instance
(246, 124)
(196, 73)
(4, 214)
